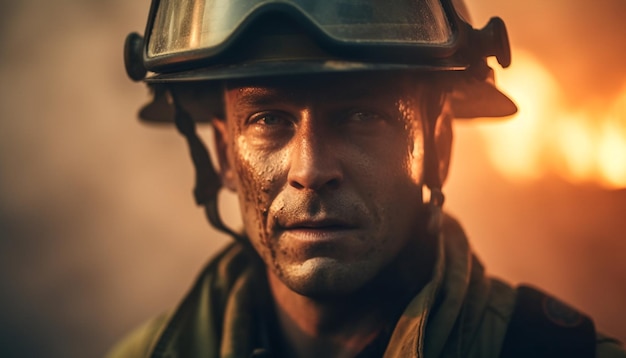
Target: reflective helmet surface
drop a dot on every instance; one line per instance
(210, 40)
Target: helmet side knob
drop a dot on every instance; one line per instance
(133, 57)
(494, 41)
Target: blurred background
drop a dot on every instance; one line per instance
(98, 230)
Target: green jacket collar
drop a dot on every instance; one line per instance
(220, 315)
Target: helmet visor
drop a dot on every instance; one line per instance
(180, 26)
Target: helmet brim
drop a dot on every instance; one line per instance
(471, 98)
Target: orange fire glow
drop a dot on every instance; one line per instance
(585, 143)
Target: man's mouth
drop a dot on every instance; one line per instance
(318, 230)
(317, 224)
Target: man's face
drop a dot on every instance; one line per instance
(328, 171)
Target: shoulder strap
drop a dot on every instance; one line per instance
(542, 326)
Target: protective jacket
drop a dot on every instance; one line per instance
(460, 313)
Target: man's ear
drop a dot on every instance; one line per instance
(222, 143)
(443, 140)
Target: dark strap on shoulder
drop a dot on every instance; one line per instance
(542, 326)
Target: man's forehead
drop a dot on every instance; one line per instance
(353, 86)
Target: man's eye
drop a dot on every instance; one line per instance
(269, 119)
(364, 117)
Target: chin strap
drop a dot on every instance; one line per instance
(432, 178)
(208, 183)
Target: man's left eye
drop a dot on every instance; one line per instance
(362, 116)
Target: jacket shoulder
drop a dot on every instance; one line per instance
(211, 288)
(500, 309)
(139, 342)
(607, 347)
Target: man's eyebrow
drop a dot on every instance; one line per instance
(257, 96)
(262, 96)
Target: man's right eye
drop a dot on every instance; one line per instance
(270, 127)
(269, 119)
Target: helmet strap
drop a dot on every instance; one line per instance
(208, 182)
(432, 177)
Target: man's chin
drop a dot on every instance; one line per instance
(322, 277)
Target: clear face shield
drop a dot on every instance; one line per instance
(208, 25)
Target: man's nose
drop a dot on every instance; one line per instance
(314, 162)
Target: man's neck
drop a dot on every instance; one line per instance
(345, 326)
(311, 328)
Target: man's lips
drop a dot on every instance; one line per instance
(326, 224)
(315, 232)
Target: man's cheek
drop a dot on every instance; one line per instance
(252, 199)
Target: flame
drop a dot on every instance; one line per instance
(547, 137)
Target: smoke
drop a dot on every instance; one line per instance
(546, 226)
(83, 185)
(98, 230)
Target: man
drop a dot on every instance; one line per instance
(333, 125)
